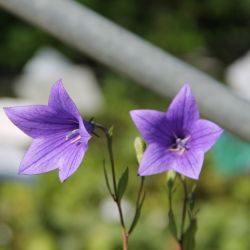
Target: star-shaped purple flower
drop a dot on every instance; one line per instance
(60, 135)
(178, 138)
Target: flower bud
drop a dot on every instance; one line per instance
(140, 147)
(171, 175)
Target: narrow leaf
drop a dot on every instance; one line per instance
(172, 224)
(107, 180)
(189, 235)
(122, 184)
(137, 214)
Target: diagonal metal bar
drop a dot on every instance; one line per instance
(125, 52)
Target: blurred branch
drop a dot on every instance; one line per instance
(125, 52)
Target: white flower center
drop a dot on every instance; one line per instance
(180, 145)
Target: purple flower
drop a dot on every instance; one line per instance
(178, 138)
(60, 135)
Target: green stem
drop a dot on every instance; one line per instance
(115, 197)
(139, 201)
(184, 212)
(140, 191)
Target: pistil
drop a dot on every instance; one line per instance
(180, 145)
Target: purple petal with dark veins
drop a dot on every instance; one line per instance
(177, 139)
(153, 126)
(60, 101)
(46, 154)
(72, 160)
(189, 164)
(204, 135)
(183, 111)
(40, 120)
(156, 159)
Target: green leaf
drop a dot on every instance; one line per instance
(191, 199)
(172, 224)
(122, 184)
(189, 235)
(107, 180)
(137, 214)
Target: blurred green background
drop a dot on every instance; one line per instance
(44, 214)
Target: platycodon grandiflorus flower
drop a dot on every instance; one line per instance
(60, 135)
(177, 139)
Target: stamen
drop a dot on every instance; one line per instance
(180, 145)
(77, 139)
(72, 134)
(75, 135)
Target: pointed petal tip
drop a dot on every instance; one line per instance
(187, 88)
(141, 173)
(192, 175)
(62, 176)
(57, 85)
(146, 171)
(133, 113)
(62, 180)
(59, 82)
(24, 172)
(195, 177)
(6, 110)
(186, 85)
(20, 172)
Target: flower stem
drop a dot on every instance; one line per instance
(140, 191)
(184, 212)
(139, 202)
(125, 235)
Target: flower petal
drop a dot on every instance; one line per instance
(72, 160)
(61, 101)
(156, 159)
(46, 154)
(189, 164)
(39, 120)
(153, 126)
(183, 111)
(204, 134)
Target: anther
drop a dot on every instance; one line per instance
(74, 134)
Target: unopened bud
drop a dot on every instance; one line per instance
(171, 175)
(140, 147)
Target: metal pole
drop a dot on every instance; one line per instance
(125, 52)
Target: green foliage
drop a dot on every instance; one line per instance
(172, 223)
(122, 184)
(137, 213)
(189, 235)
(69, 216)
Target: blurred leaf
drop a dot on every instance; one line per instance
(172, 224)
(122, 184)
(189, 235)
(137, 215)
(191, 201)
